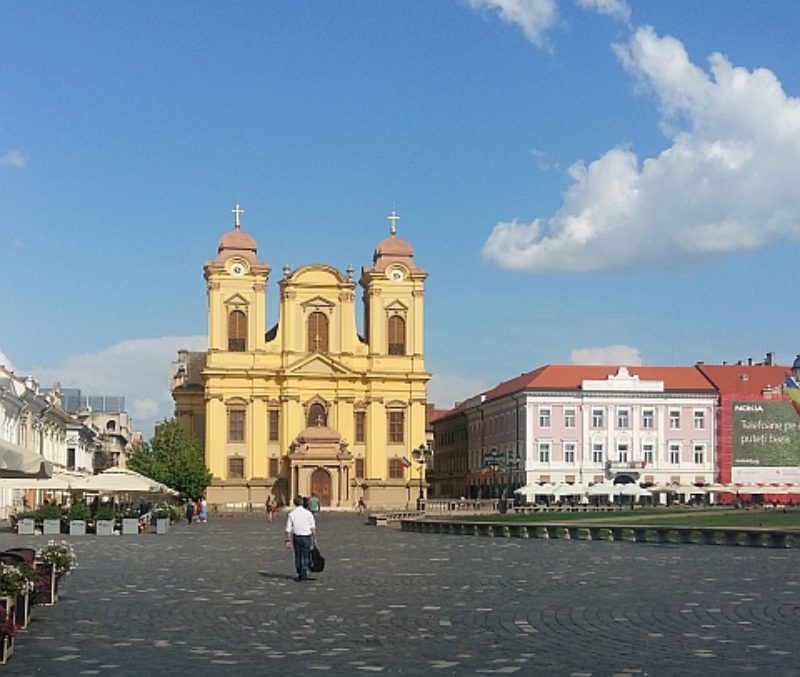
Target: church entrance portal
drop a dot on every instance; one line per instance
(321, 486)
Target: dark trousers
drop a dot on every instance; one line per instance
(302, 552)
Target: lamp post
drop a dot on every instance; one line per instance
(422, 455)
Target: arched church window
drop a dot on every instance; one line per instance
(237, 331)
(317, 332)
(397, 335)
(316, 413)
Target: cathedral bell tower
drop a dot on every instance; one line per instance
(236, 283)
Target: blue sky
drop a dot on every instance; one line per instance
(584, 180)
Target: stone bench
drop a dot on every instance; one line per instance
(631, 533)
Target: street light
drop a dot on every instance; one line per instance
(422, 455)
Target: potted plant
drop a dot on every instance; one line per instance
(130, 522)
(104, 519)
(163, 517)
(53, 562)
(26, 523)
(50, 514)
(24, 599)
(79, 512)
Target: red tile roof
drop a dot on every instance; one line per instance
(570, 376)
(743, 378)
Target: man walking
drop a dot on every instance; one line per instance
(301, 534)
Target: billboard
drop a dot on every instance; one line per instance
(765, 441)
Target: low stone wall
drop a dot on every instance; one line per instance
(638, 533)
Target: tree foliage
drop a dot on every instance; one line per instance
(174, 458)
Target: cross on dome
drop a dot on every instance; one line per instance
(238, 211)
(393, 219)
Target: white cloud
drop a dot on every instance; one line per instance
(726, 183)
(617, 355)
(5, 362)
(617, 9)
(137, 369)
(445, 390)
(12, 158)
(534, 17)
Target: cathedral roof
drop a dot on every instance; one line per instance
(392, 250)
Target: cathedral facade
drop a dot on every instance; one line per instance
(311, 405)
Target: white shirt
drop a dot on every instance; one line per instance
(300, 522)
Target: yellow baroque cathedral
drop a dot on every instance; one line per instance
(310, 406)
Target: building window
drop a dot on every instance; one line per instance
(71, 458)
(273, 467)
(359, 467)
(274, 425)
(622, 418)
(317, 332)
(648, 419)
(237, 331)
(235, 468)
(647, 453)
(622, 453)
(597, 418)
(699, 420)
(569, 452)
(361, 417)
(674, 453)
(699, 453)
(396, 469)
(569, 418)
(396, 421)
(111, 426)
(236, 425)
(544, 452)
(316, 415)
(397, 335)
(674, 419)
(544, 417)
(597, 453)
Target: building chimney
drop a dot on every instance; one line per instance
(770, 360)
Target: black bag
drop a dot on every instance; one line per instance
(317, 563)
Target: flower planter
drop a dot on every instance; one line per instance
(51, 526)
(77, 527)
(46, 590)
(130, 526)
(6, 648)
(162, 525)
(105, 527)
(22, 610)
(26, 526)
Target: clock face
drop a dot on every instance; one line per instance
(237, 269)
(396, 275)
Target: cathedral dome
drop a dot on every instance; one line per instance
(393, 246)
(319, 434)
(237, 241)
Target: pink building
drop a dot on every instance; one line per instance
(581, 424)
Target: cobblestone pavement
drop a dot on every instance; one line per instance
(219, 599)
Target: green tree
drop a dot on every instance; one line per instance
(174, 458)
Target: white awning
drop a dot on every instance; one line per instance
(61, 480)
(17, 461)
(122, 481)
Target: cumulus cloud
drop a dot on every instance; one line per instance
(618, 9)
(445, 390)
(726, 183)
(12, 158)
(534, 17)
(617, 355)
(5, 362)
(137, 369)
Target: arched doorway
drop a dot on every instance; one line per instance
(321, 486)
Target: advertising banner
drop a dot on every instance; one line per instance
(765, 442)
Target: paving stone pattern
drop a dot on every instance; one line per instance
(219, 599)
